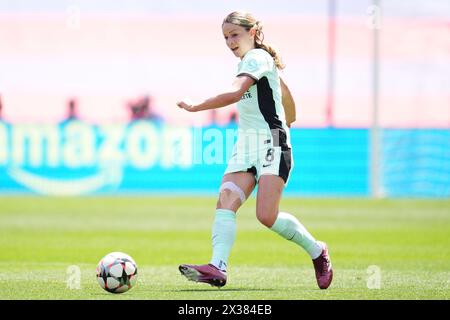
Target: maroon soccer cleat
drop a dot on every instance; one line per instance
(206, 273)
(322, 265)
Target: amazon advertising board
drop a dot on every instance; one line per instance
(78, 158)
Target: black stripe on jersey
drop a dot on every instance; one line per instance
(267, 107)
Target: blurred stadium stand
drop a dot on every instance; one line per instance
(104, 54)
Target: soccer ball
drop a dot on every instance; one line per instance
(117, 272)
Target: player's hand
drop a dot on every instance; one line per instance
(186, 105)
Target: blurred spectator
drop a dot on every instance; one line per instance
(142, 109)
(216, 120)
(72, 110)
(1, 108)
(233, 118)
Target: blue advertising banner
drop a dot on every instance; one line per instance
(77, 158)
(416, 162)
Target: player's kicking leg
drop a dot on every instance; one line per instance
(235, 189)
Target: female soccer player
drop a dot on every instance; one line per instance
(262, 154)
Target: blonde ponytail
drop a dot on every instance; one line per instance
(259, 43)
(247, 21)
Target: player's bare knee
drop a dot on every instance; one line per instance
(230, 196)
(228, 200)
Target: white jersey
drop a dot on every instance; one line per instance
(261, 113)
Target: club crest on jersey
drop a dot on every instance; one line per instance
(252, 65)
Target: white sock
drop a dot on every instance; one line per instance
(223, 236)
(291, 229)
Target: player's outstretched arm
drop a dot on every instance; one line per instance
(288, 103)
(240, 85)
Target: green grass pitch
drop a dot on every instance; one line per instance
(406, 240)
